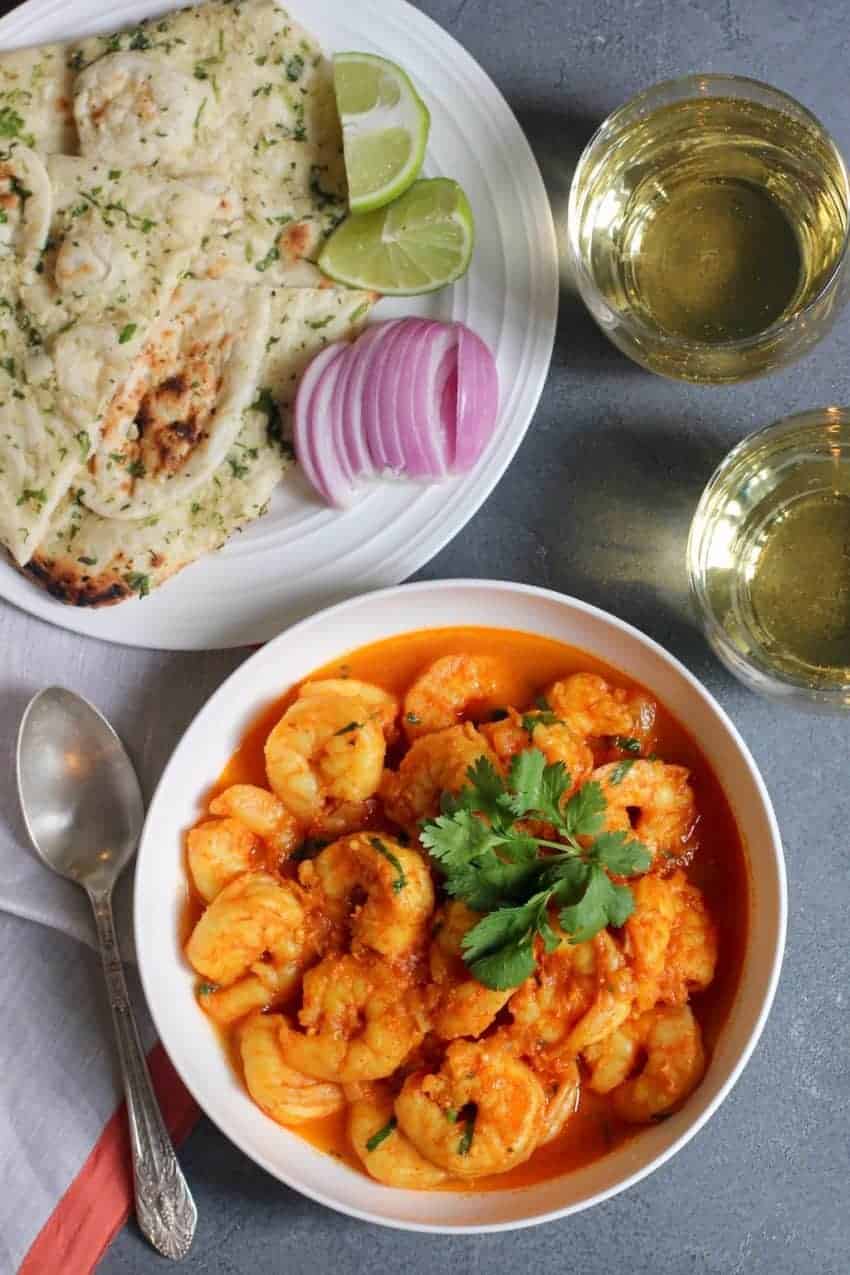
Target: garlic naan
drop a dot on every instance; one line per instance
(176, 416)
(237, 95)
(36, 92)
(82, 279)
(88, 560)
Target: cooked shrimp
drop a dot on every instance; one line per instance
(360, 1020)
(577, 994)
(662, 796)
(219, 850)
(561, 1103)
(387, 1154)
(399, 897)
(463, 1007)
(262, 812)
(326, 750)
(382, 706)
(448, 688)
(588, 704)
(557, 741)
(284, 1094)
(674, 1066)
(481, 1113)
(670, 939)
(611, 1060)
(253, 942)
(433, 765)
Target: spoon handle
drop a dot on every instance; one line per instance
(164, 1206)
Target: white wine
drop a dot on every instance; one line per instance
(769, 555)
(707, 224)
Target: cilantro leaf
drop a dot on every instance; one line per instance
(544, 718)
(537, 788)
(623, 857)
(602, 903)
(499, 950)
(585, 810)
(627, 744)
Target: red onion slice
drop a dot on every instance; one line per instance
(431, 442)
(477, 398)
(302, 431)
(379, 421)
(353, 424)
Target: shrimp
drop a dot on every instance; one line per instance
(577, 994)
(387, 1154)
(399, 895)
(588, 704)
(463, 1007)
(481, 1113)
(255, 917)
(262, 812)
(557, 742)
(382, 706)
(611, 1060)
(670, 939)
(361, 1019)
(448, 688)
(326, 750)
(662, 795)
(561, 1103)
(284, 1094)
(219, 850)
(674, 1066)
(434, 764)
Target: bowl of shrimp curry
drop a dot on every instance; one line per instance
(466, 925)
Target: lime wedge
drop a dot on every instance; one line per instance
(417, 244)
(384, 128)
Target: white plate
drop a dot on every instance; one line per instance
(201, 755)
(302, 556)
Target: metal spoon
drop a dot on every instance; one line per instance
(83, 810)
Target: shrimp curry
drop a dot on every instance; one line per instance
(469, 909)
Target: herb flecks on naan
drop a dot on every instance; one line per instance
(88, 560)
(83, 278)
(179, 411)
(36, 92)
(234, 95)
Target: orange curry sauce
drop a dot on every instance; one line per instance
(719, 866)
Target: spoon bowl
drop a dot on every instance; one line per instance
(80, 797)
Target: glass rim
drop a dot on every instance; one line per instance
(754, 673)
(677, 84)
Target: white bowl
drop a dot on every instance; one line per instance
(213, 737)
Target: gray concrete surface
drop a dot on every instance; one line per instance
(597, 504)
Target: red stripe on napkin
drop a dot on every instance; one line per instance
(98, 1201)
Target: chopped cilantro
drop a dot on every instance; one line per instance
(382, 1134)
(127, 333)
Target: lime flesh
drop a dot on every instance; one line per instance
(421, 242)
(385, 127)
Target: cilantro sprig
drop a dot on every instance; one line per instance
(496, 865)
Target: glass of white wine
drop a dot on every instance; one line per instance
(769, 559)
(708, 228)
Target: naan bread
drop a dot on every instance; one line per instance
(79, 289)
(176, 417)
(88, 560)
(36, 95)
(239, 99)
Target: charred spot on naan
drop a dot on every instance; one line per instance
(73, 586)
